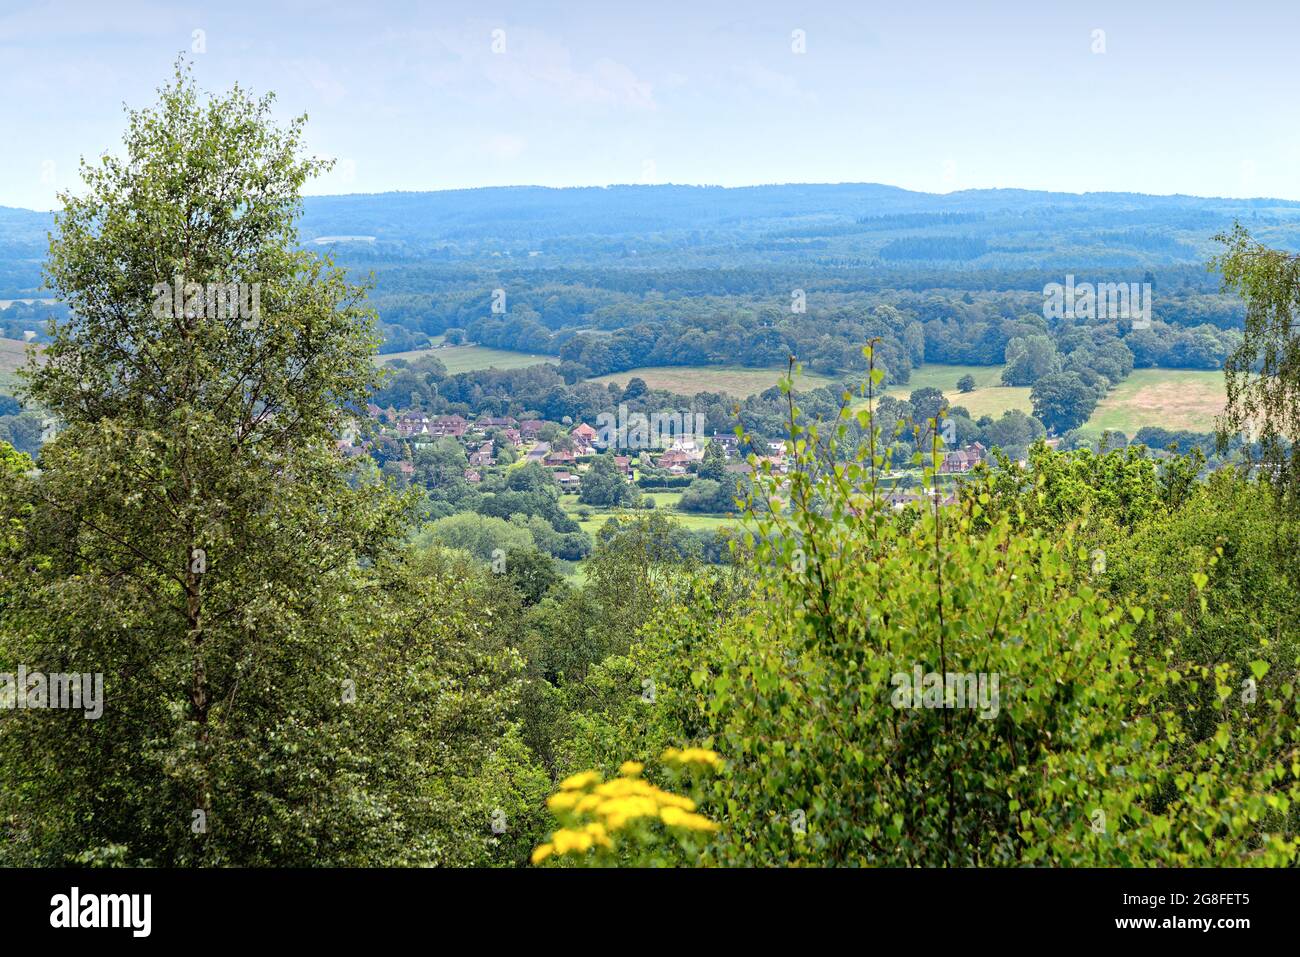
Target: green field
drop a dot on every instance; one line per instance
(470, 358)
(1169, 398)
(739, 381)
(989, 398)
(665, 504)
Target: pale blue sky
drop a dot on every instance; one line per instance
(1191, 96)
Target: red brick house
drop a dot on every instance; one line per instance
(453, 425)
(674, 458)
(560, 457)
(963, 460)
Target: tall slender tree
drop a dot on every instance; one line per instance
(194, 535)
(1263, 372)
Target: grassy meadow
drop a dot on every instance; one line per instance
(665, 504)
(469, 358)
(739, 381)
(989, 398)
(1169, 398)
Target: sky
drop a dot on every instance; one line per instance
(1143, 95)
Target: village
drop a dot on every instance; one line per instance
(568, 450)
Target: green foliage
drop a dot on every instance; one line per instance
(1062, 401)
(1088, 757)
(707, 495)
(484, 537)
(603, 484)
(275, 664)
(532, 572)
(1029, 358)
(714, 464)
(1106, 494)
(1217, 575)
(1263, 372)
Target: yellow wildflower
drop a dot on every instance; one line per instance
(623, 787)
(692, 756)
(542, 852)
(564, 800)
(568, 841)
(676, 800)
(598, 834)
(676, 817)
(631, 769)
(618, 811)
(580, 782)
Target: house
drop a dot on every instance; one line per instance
(730, 444)
(373, 411)
(568, 481)
(528, 430)
(777, 462)
(407, 469)
(472, 475)
(583, 433)
(560, 457)
(674, 459)
(453, 425)
(624, 463)
(489, 422)
(413, 423)
(482, 455)
(688, 446)
(513, 437)
(962, 460)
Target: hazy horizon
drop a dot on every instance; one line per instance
(744, 186)
(415, 97)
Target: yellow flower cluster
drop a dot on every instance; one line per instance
(571, 840)
(700, 756)
(614, 804)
